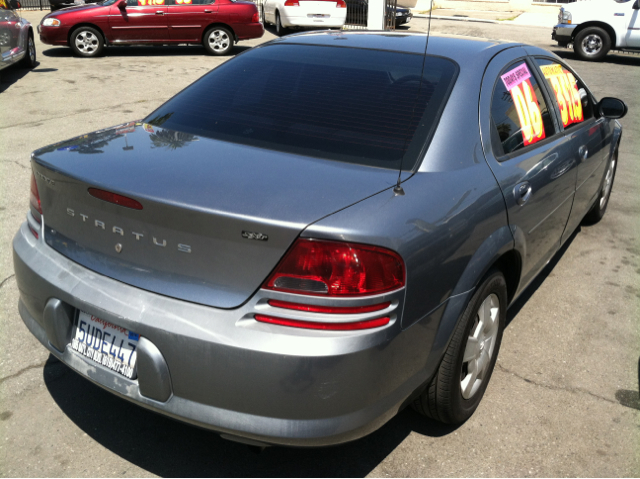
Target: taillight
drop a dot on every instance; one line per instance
(341, 4)
(255, 18)
(331, 268)
(35, 196)
(312, 308)
(368, 324)
(292, 3)
(115, 198)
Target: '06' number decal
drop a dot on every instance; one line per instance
(526, 103)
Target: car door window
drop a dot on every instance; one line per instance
(520, 116)
(574, 101)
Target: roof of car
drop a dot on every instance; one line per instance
(456, 48)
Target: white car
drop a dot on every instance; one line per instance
(304, 14)
(597, 26)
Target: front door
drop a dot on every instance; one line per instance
(633, 26)
(189, 18)
(528, 155)
(141, 21)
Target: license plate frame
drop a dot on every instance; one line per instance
(106, 344)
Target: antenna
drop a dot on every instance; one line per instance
(398, 190)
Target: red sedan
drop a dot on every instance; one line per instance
(216, 24)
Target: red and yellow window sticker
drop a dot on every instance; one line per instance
(525, 102)
(565, 86)
(145, 3)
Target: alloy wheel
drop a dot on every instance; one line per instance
(592, 44)
(32, 50)
(480, 346)
(87, 42)
(219, 40)
(608, 183)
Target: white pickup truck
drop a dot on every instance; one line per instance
(596, 26)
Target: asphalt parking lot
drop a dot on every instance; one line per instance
(563, 400)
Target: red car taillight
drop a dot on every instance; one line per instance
(35, 196)
(34, 201)
(292, 3)
(331, 268)
(341, 4)
(368, 324)
(255, 18)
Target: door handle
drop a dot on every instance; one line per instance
(583, 152)
(159, 12)
(208, 11)
(522, 192)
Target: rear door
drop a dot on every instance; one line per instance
(9, 34)
(586, 134)
(189, 18)
(528, 155)
(140, 22)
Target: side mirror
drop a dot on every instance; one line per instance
(636, 5)
(15, 4)
(122, 4)
(612, 108)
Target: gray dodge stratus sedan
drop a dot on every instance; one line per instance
(320, 231)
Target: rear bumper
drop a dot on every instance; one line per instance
(292, 18)
(563, 33)
(246, 31)
(222, 370)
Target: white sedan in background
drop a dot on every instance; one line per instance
(304, 14)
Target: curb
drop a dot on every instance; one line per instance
(458, 19)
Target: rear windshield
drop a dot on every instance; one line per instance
(360, 106)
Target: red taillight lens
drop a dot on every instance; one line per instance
(35, 196)
(312, 308)
(115, 198)
(341, 4)
(371, 323)
(292, 3)
(330, 268)
(255, 18)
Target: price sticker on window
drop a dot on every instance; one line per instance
(145, 3)
(565, 87)
(518, 83)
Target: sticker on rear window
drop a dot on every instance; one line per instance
(565, 87)
(525, 102)
(144, 3)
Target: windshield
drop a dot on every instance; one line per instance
(354, 105)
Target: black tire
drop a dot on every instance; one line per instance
(86, 42)
(592, 43)
(599, 208)
(280, 30)
(444, 400)
(218, 40)
(29, 60)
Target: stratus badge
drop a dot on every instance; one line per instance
(254, 236)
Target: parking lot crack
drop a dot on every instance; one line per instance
(555, 388)
(22, 371)
(6, 279)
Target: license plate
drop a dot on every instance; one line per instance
(104, 343)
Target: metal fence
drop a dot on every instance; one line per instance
(35, 4)
(390, 7)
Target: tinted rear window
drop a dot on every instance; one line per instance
(360, 106)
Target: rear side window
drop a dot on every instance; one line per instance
(519, 114)
(573, 99)
(360, 106)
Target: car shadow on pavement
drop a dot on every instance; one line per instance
(631, 59)
(515, 308)
(144, 51)
(12, 74)
(166, 447)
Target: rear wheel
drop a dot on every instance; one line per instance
(598, 210)
(457, 388)
(280, 30)
(87, 42)
(218, 41)
(29, 60)
(592, 43)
